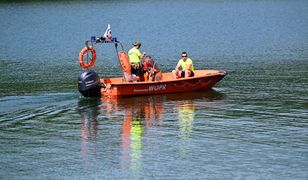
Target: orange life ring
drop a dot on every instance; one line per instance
(82, 53)
(124, 61)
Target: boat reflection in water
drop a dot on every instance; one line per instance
(140, 115)
(186, 115)
(89, 111)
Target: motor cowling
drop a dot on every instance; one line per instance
(89, 84)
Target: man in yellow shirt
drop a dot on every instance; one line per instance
(184, 68)
(135, 57)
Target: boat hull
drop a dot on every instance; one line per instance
(203, 79)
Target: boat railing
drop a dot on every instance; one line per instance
(103, 40)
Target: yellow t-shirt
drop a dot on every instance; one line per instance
(183, 64)
(134, 54)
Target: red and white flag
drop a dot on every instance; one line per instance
(108, 33)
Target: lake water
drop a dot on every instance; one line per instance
(252, 125)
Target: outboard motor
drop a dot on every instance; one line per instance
(89, 84)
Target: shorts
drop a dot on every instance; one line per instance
(136, 69)
(183, 74)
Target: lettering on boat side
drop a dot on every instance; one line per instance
(141, 90)
(153, 88)
(158, 87)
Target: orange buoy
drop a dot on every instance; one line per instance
(83, 52)
(124, 61)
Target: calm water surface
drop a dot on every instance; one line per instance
(252, 125)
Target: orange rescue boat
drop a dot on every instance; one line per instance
(91, 85)
(203, 80)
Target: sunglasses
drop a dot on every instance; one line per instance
(184, 56)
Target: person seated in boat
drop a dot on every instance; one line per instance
(147, 63)
(184, 68)
(135, 57)
(150, 69)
